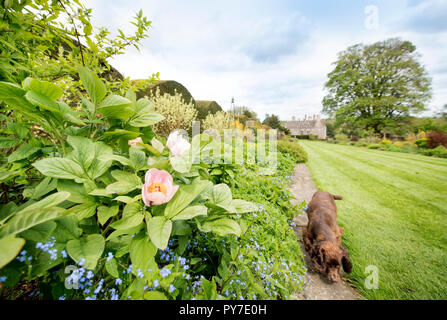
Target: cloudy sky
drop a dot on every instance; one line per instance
(272, 56)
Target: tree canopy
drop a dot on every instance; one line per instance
(374, 85)
(273, 122)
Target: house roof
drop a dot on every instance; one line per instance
(304, 124)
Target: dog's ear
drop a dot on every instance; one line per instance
(318, 259)
(345, 260)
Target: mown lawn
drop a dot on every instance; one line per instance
(394, 213)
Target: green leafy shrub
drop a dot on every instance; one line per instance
(374, 146)
(205, 107)
(340, 137)
(163, 87)
(440, 151)
(271, 240)
(87, 207)
(294, 149)
(218, 121)
(421, 143)
(176, 112)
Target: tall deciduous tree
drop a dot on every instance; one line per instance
(374, 85)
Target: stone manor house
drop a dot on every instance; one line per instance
(309, 125)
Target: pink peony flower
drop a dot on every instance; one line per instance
(177, 144)
(135, 142)
(158, 187)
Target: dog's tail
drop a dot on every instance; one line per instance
(337, 197)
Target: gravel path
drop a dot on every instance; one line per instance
(317, 286)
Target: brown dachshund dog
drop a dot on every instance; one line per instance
(322, 236)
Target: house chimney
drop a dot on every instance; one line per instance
(305, 117)
(318, 117)
(293, 118)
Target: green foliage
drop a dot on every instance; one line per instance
(92, 189)
(421, 143)
(372, 86)
(273, 122)
(293, 149)
(74, 156)
(176, 112)
(205, 107)
(41, 39)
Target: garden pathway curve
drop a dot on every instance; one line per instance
(316, 287)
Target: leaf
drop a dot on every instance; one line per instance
(76, 190)
(23, 152)
(116, 107)
(39, 233)
(143, 105)
(43, 101)
(105, 213)
(128, 222)
(142, 252)
(114, 157)
(191, 212)
(223, 227)
(83, 150)
(14, 96)
(121, 134)
(18, 130)
(10, 247)
(61, 168)
(132, 208)
(146, 119)
(95, 88)
(243, 206)
(69, 114)
(159, 230)
(7, 210)
(67, 229)
(6, 175)
(129, 231)
(181, 164)
(181, 228)
(84, 210)
(89, 247)
(183, 197)
(99, 193)
(99, 167)
(7, 143)
(126, 182)
(26, 219)
(112, 268)
(210, 289)
(46, 185)
(44, 88)
(154, 295)
(221, 195)
(48, 202)
(137, 158)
